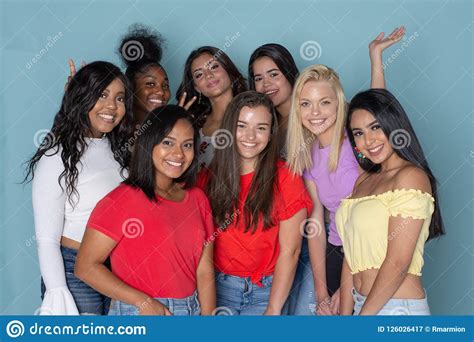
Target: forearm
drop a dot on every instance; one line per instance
(347, 283)
(206, 291)
(283, 277)
(317, 255)
(99, 277)
(388, 280)
(377, 71)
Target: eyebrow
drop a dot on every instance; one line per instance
(259, 124)
(268, 71)
(325, 97)
(370, 124)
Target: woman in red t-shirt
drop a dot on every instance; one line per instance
(155, 226)
(259, 209)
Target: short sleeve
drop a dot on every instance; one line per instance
(291, 196)
(108, 217)
(206, 214)
(410, 203)
(203, 178)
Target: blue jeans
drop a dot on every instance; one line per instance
(301, 300)
(188, 306)
(88, 300)
(395, 307)
(239, 296)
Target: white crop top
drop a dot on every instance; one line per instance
(99, 173)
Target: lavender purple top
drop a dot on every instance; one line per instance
(333, 186)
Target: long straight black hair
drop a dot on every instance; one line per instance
(157, 125)
(396, 126)
(72, 124)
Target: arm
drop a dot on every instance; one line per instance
(90, 268)
(376, 48)
(347, 283)
(317, 250)
(403, 235)
(289, 238)
(206, 282)
(48, 207)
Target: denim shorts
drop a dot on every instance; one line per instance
(395, 307)
(88, 300)
(239, 296)
(188, 306)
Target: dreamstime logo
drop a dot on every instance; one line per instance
(15, 328)
(44, 138)
(49, 45)
(221, 139)
(399, 139)
(310, 50)
(132, 50)
(222, 311)
(310, 228)
(132, 228)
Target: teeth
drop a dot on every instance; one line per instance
(376, 149)
(270, 92)
(317, 122)
(156, 101)
(249, 144)
(174, 163)
(107, 117)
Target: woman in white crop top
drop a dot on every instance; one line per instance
(80, 160)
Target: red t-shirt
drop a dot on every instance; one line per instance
(159, 245)
(255, 255)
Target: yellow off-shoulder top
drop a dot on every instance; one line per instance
(362, 224)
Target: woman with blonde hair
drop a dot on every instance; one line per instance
(318, 148)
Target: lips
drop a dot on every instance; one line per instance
(174, 163)
(157, 102)
(317, 122)
(271, 92)
(375, 151)
(109, 118)
(212, 84)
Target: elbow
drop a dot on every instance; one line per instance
(80, 270)
(401, 266)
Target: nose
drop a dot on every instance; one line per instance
(316, 110)
(158, 89)
(208, 73)
(178, 151)
(369, 138)
(250, 133)
(111, 102)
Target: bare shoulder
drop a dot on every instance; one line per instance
(412, 177)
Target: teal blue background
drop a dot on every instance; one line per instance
(432, 78)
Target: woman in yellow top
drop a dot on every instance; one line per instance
(391, 213)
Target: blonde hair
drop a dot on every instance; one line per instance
(299, 138)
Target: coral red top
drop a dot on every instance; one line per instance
(255, 255)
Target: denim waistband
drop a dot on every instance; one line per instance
(265, 280)
(360, 299)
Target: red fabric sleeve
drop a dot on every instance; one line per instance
(108, 218)
(291, 196)
(206, 213)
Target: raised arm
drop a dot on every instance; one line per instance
(376, 48)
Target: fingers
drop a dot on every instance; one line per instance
(190, 103)
(380, 36)
(182, 99)
(72, 67)
(167, 312)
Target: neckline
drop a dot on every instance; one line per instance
(186, 195)
(387, 192)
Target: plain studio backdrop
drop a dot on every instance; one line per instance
(430, 72)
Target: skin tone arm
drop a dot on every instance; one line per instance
(206, 286)
(317, 251)
(289, 238)
(347, 282)
(376, 48)
(90, 268)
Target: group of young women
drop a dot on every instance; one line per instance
(311, 207)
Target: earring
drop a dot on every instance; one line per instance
(359, 153)
(199, 100)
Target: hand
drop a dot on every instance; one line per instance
(152, 307)
(272, 312)
(324, 305)
(72, 71)
(379, 44)
(182, 100)
(335, 302)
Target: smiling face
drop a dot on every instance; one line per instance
(152, 90)
(209, 76)
(369, 137)
(109, 109)
(318, 107)
(175, 153)
(270, 81)
(252, 134)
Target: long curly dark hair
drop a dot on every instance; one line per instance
(72, 124)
